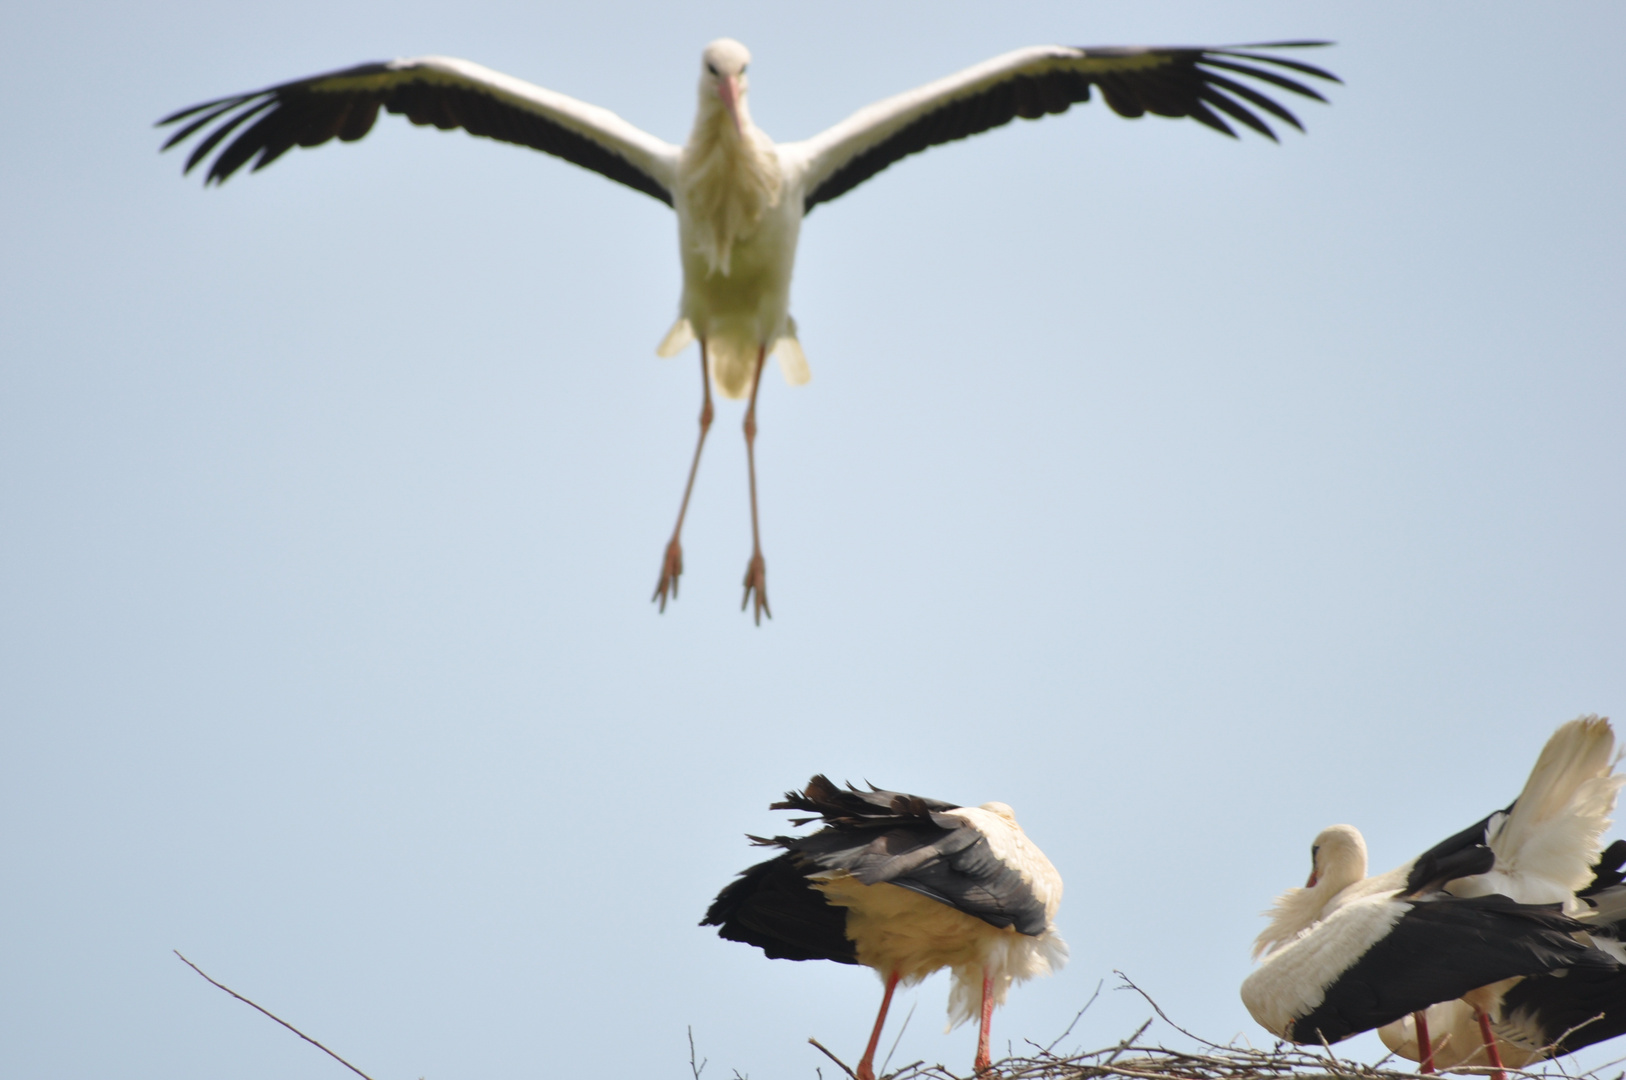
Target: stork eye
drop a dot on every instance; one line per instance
(743, 67)
(711, 68)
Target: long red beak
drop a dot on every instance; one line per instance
(728, 89)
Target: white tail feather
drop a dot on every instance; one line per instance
(680, 337)
(1546, 847)
(792, 361)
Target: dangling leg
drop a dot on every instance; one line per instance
(672, 564)
(1492, 1054)
(983, 1062)
(756, 572)
(1425, 1045)
(866, 1066)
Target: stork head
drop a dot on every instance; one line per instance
(1002, 811)
(722, 80)
(1337, 859)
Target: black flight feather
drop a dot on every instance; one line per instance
(309, 112)
(1441, 948)
(1183, 84)
(1463, 855)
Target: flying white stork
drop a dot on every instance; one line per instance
(740, 197)
(904, 885)
(1497, 901)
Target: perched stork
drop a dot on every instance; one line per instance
(1497, 901)
(1543, 1016)
(740, 197)
(904, 885)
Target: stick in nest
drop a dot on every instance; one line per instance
(273, 1016)
(842, 1065)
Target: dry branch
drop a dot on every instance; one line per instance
(273, 1016)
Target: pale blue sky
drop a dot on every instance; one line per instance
(1188, 495)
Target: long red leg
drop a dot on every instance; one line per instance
(984, 1062)
(1425, 1045)
(756, 571)
(866, 1066)
(1492, 1054)
(672, 562)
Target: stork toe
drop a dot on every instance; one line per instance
(756, 587)
(671, 570)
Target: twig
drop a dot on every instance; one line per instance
(1130, 984)
(832, 1057)
(1332, 1057)
(1077, 1017)
(696, 1069)
(273, 1016)
(888, 1059)
(1129, 1041)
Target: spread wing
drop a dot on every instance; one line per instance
(1202, 83)
(1373, 961)
(438, 90)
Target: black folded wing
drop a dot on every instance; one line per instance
(879, 837)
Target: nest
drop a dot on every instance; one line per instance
(1133, 1059)
(1130, 1059)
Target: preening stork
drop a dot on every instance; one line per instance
(1543, 1016)
(740, 197)
(904, 885)
(1497, 901)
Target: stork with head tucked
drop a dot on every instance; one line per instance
(1496, 902)
(740, 198)
(904, 885)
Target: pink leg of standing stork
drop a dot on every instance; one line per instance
(983, 1063)
(756, 572)
(866, 1065)
(672, 564)
(1491, 1052)
(1425, 1045)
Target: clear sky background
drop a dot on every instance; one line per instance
(1189, 495)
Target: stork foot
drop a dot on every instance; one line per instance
(756, 587)
(671, 570)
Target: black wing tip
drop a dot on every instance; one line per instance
(182, 114)
(1304, 43)
(1294, 65)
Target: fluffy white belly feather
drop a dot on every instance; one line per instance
(896, 929)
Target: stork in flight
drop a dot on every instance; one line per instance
(904, 885)
(739, 196)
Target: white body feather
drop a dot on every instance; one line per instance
(1295, 977)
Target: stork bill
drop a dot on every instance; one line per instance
(740, 197)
